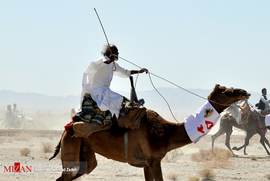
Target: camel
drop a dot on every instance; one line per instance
(146, 146)
(249, 125)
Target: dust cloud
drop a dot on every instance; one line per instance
(44, 119)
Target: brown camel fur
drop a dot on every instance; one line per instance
(249, 125)
(147, 146)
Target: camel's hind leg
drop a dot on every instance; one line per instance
(88, 161)
(70, 156)
(248, 136)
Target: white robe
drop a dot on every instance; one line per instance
(235, 112)
(96, 81)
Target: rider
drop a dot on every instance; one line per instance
(14, 109)
(72, 112)
(264, 103)
(97, 79)
(10, 116)
(264, 99)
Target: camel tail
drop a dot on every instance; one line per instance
(57, 149)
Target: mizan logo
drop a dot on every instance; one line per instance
(18, 168)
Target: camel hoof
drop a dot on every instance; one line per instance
(235, 148)
(245, 154)
(235, 155)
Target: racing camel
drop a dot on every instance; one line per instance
(147, 146)
(249, 124)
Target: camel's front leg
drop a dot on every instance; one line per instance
(263, 140)
(227, 142)
(215, 136)
(148, 176)
(155, 168)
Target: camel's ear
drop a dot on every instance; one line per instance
(216, 87)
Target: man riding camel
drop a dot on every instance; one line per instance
(264, 100)
(98, 76)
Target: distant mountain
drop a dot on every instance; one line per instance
(37, 101)
(178, 100)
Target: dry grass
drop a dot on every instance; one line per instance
(202, 156)
(47, 147)
(25, 151)
(193, 178)
(207, 174)
(173, 176)
(216, 158)
(253, 157)
(267, 176)
(172, 155)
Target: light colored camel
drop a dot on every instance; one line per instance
(147, 146)
(249, 125)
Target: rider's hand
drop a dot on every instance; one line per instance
(143, 70)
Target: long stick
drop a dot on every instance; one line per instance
(105, 37)
(103, 30)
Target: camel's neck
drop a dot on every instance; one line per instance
(218, 107)
(178, 136)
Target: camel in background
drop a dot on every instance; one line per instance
(248, 124)
(147, 146)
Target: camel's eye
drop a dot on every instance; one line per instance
(228, 92)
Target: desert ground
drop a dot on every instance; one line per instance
(177, 165)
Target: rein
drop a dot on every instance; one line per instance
(155, 75)
(175, 85)
(227, 105)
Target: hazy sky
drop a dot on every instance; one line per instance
(45, 46)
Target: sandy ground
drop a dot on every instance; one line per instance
(12, 141)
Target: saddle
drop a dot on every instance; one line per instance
(130, 121)
(255, 115)
(265, 112)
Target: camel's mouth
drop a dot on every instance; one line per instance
(245, 97)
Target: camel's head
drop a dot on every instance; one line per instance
(224, 96)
